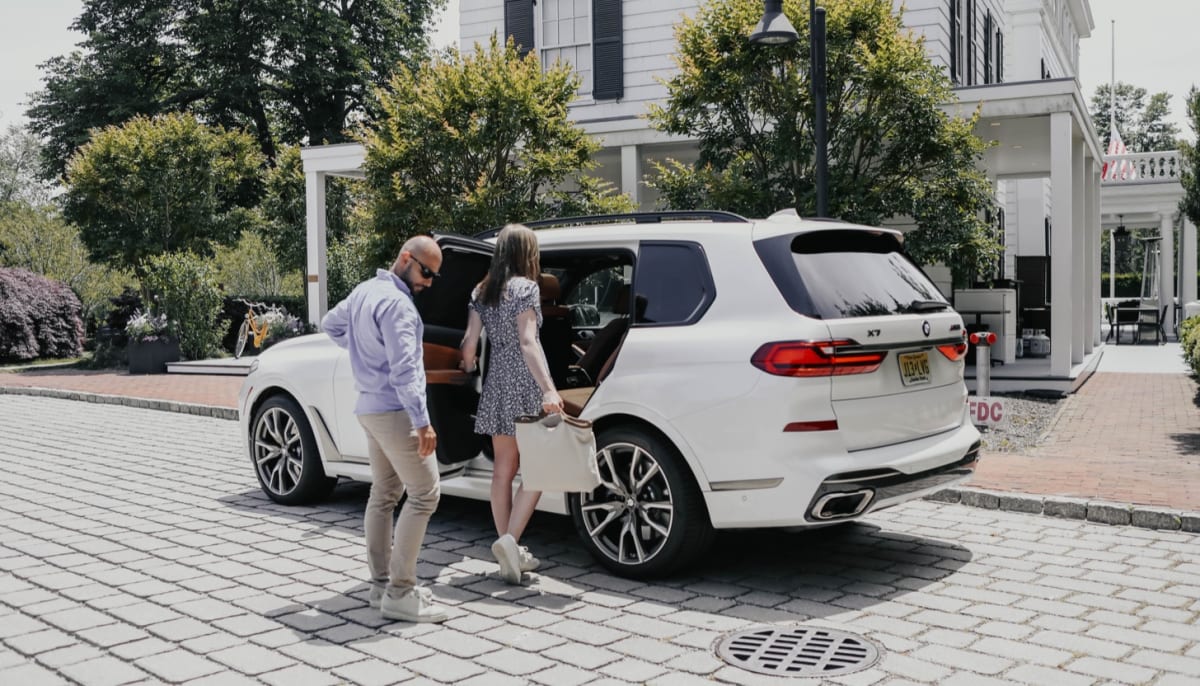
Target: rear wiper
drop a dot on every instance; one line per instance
(926, 306)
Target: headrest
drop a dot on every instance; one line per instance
(621, 304)
(549, 287)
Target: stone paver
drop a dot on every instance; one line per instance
(228, 587)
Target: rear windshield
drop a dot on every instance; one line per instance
(847, 273)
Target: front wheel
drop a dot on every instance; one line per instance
(243, 334)
(647, 518)
(285, 454)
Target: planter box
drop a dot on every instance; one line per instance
(152, 357)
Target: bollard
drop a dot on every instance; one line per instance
(983, 341)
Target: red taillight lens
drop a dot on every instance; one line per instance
(815, 358)
(953, 352)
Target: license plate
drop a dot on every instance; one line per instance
(914, 368)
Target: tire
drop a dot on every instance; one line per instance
(672, 524)
(285, 455)
(240, 346)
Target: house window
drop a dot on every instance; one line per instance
(987, 47)
(970, 27)
(586, 34)
(957, 46)
(565, 33)
(999, 228)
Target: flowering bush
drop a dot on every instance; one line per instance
(39, 317)
(282, 324)
(144, 327)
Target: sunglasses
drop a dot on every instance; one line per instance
(425, 271)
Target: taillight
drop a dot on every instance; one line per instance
(954, 351)
(815, 358)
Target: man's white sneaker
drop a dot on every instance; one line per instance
(416, 605)
(509, 556)
(528, 561)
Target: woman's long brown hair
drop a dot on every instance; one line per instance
(516, 255)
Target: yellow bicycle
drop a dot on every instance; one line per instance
(257, 323)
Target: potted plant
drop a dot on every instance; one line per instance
(153, 343)
(283, 325)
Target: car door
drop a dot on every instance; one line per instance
(452, 395)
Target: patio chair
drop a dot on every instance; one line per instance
(1127, 316)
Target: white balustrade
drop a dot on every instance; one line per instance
(1143, 167)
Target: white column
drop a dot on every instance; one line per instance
(1080, 302)
(631, 173)
(1091, 233)
(316, 281)
(1166, 265)
(1187, 246)
(1062, 263)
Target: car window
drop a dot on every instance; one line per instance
(852, 273)
(672, 284)
(593, 299)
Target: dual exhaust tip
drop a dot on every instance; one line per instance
(841, 505)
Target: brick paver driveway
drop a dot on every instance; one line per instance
(135, 546)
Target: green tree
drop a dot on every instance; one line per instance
(474, 140)
(1143, 123)
(1190, 204)
(162, 185)
(289, 72)
(892, 151)
(284, 210)
(19, 156)
(250, 268)
(183, 286)
(37, 239)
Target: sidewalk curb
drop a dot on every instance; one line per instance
(1065, 507)
(143, 403)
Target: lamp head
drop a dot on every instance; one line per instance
(1121, 231)
(774, 27)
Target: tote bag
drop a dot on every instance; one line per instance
(558, 453)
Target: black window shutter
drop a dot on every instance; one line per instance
(608, 52)
(971, 43)
(518, 23)
(999, 57)
(954, 41)
(987, 48)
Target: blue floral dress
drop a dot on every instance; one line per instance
(509, 389)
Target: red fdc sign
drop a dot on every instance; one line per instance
(986, 410)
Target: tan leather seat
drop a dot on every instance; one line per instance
(607, 339)
(556, 333)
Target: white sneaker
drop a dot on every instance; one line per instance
(376, 595)
(416, 605)
(509, 556)
(528, 561)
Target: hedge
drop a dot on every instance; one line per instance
(39, 317)
(1189, 342)
(1129, 285)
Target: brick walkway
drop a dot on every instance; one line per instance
(1124, 437)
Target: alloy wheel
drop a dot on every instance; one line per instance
(630, 515)
(278, 451)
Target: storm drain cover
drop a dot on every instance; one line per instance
(798, 651)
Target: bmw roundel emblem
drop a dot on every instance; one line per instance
(925, 328)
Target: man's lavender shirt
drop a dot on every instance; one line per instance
(379, 324)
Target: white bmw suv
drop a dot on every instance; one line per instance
(739, 373)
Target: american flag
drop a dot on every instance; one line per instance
(1116, 146)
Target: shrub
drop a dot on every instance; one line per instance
(39, 317)
(184, 287)
(1189, 341)
(144, 327)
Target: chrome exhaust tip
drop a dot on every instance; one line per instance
(842, 505)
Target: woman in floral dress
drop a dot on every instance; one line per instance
(518, 383)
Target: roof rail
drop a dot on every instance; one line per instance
(635, 217)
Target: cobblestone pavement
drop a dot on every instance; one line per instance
(136, 547)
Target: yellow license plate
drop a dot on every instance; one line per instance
(914, 368)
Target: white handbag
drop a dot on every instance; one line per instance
(558, 453)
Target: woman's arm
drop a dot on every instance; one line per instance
(470, 342)
(535, 359)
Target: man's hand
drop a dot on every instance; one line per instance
(427, 441)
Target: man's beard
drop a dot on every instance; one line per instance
(404, 276)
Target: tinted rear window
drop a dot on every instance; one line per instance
(845, 273)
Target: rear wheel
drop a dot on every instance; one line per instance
(285, 454)
(647, 518)
(243, 334)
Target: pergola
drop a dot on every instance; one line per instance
(321, 162)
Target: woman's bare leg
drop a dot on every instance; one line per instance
(523, 506)
(504, 469)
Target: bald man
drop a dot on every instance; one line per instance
(380, 327)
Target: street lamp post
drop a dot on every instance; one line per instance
(775, 29)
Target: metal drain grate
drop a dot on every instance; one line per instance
(798, 651)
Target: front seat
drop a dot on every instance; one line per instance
(605, 342)
(556, 333)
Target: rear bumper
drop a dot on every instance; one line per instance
(890, 476)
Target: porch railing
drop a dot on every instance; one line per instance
(1143, 167)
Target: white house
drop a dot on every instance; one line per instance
(1014, 60)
